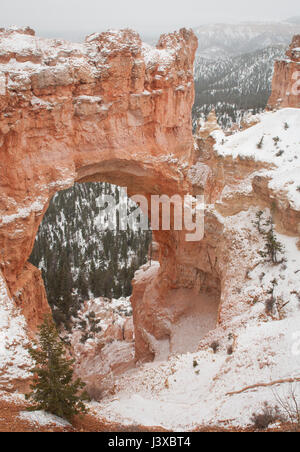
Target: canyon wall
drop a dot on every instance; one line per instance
(286, 79)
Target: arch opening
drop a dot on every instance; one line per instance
(174, 301)
(80, 257)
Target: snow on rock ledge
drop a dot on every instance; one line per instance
(274, 141)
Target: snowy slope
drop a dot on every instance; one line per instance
(234, 67)
(235, 84)
(280, 132)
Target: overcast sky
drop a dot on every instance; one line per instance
(73, 17)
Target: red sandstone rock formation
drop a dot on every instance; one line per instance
(286, 79)
(111, 109)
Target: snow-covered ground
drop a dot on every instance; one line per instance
(43, 419)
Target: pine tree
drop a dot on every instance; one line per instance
(260, 143)
(258, 221)
(54, 389)
(272, 247)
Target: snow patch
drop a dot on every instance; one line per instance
(154, 56)
(42, 418)
(24, 212)
(14, 359)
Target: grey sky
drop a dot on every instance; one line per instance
(72, 17)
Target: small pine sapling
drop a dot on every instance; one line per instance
(260, 143)
(54, 389)
(215, 346)
(270, 303)
(273, 248)
(258, 222)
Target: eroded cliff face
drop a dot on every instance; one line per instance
(286, 79)
(111, 109)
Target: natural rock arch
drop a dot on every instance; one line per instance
(111, 109)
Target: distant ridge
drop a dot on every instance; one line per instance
(294, 20)
(226, 40)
